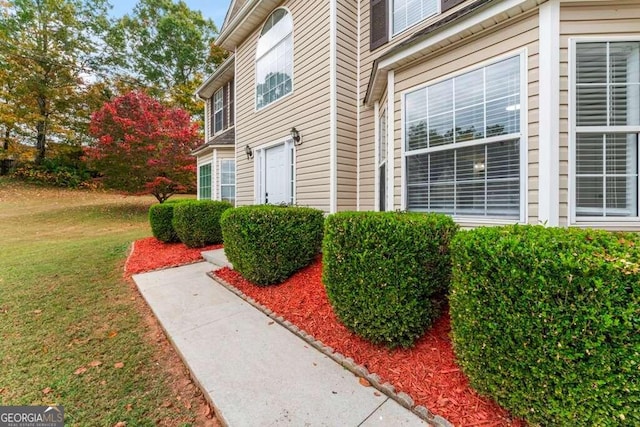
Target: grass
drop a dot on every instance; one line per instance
(65, 304)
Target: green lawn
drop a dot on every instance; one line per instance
(64, 304)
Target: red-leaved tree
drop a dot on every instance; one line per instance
(142, 146)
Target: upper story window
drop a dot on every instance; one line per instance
(218, 111)
(395, 16)
(221, 110)
(274, 59)
(406, 13)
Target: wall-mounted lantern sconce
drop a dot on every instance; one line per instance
(295, 135)
(248, 151)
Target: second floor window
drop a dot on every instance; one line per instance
(218, 111)
(409, 12)
(274, 59)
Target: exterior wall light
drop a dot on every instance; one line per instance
(295, 135)
(248, 151)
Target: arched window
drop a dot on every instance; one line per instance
(274, 59)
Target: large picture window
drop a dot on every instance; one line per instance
(409, 12)
(607, 124)
(274, 59)
(463, 143)
(204, 181)
(228, 180)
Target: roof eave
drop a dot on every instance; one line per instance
(423, 41)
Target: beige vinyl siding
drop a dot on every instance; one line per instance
(347, 98)
(306, 108)
(367, 119)
(586, 20)
(512, 36)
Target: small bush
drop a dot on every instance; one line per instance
(161, 220)
(547, 322)
(197, 222)
(385, 272)
(267, 244)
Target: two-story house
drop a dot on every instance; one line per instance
(492, 111)
(216, 162)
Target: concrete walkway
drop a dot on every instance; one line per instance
(254, 371)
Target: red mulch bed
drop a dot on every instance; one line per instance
(427, 372)
(151, 254)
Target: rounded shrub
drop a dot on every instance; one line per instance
(386, 272)
(267, 244)
(197, 222)
(161, 220)
(547, 322)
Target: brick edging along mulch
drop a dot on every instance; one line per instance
(348, 363)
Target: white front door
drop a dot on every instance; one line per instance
(276, 175)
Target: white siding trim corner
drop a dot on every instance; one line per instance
(333, 107)
(391, 118)
(376, 156)
(549, 111)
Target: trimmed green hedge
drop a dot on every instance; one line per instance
(161, 220)
(267, 243)
(197, 222)
(547, 322)
(386, 273)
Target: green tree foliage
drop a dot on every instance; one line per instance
(169, 48)
(49, 51)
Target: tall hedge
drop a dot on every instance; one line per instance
(161, 220)
(197, 222)
(385, 272)
(267, 243)
(547, 322)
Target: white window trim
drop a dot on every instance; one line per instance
(524, 137)
(215, 111)
(235, 178)
(200, 165)
(404, 30)
(603, 222)
(259, 170)
(255, 66)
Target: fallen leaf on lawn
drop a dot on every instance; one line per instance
(80, 371)
(120, 424)
(2, 390)
(103, 382)
(364, 382)
(128, 407)
(37, 311)
(113, 334)
(118, 365)
(167, 404)
(187, 404)
(95, 363)
(46, 390)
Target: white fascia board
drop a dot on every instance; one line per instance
(230, 61)
(237, 20)
(395, 59)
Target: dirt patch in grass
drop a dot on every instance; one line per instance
(427, 372)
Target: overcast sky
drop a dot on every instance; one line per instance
(214, 9)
